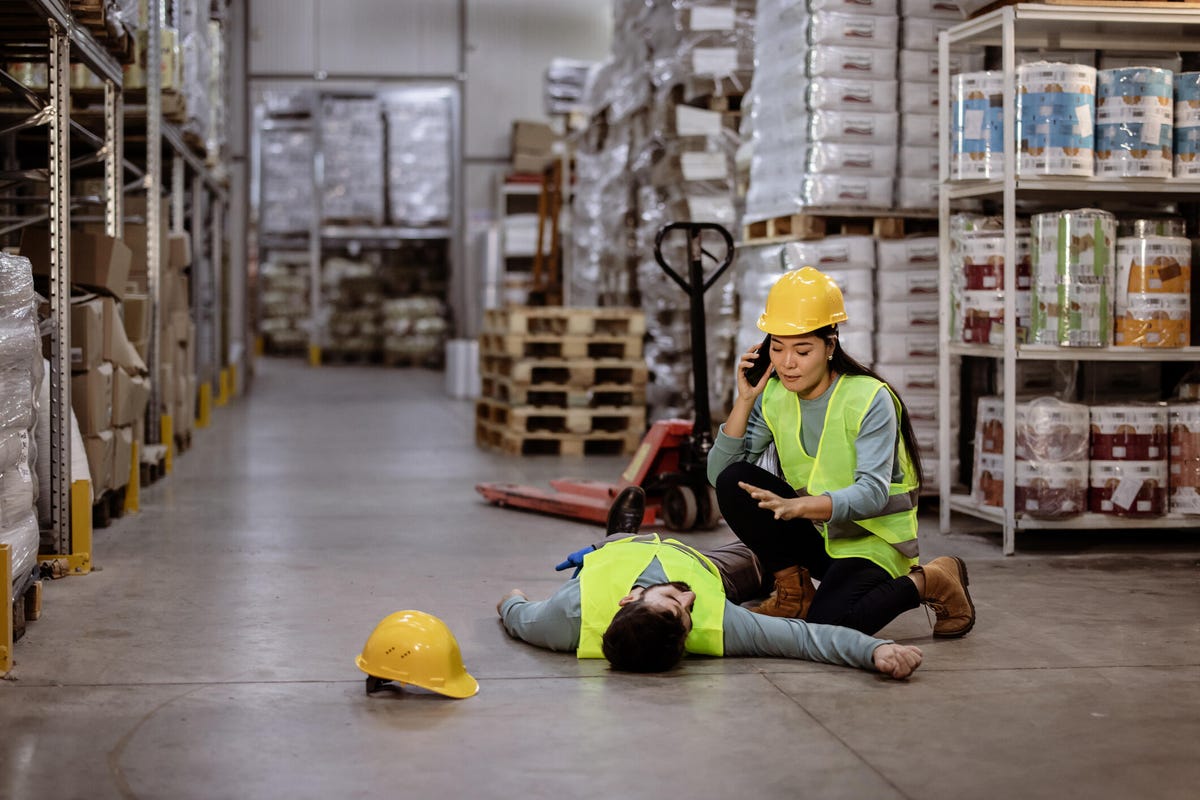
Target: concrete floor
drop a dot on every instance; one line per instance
(212, 655)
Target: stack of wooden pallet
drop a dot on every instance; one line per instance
(562, 381)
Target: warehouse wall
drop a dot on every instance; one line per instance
(508, 45)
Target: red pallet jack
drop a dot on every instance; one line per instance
(671, 462)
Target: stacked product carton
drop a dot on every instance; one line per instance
(352, 147)
(833, 146)
(284, 304)
(419, 128)
(920, 24)
(661, 148)
(109, 379)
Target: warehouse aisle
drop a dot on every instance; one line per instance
(212, 656)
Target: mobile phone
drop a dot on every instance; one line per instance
(762, 364)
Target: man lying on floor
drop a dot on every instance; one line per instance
(641, 602)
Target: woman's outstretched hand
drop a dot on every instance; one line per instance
(818, 508)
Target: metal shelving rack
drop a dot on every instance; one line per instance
(1145, 26)
(322, 236)
(63, 40)
(45, 29)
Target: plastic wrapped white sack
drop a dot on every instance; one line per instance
(16, 398)
(79, 463)
(16, 494)
(14, 448)
(22, 537)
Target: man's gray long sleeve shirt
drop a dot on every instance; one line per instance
(554, 623)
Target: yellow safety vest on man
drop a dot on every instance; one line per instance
(889, 539)
(610, 572)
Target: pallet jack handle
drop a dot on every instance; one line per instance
(696, 286)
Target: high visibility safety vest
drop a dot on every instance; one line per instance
(610, 572)
(888, 539)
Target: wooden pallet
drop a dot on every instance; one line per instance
(153, 463)
(561, 347)
(580, 373)
(26, 608)
(559, 396)
(556, 444)
(108, 506)
(815, 225)
(556, 321)
(526, 420)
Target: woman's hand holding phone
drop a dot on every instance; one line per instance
(754, 369)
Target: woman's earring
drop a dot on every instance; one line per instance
(829, 358)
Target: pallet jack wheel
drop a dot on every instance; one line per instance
(680, 508)
(710, 510)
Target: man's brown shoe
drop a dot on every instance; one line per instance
(947, 594)
(793, 595)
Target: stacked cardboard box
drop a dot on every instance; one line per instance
(533, 146)
(109, 379)
(284, 304)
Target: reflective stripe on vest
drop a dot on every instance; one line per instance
(890, 538)
(610, 572)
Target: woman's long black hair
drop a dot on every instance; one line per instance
(843, 364)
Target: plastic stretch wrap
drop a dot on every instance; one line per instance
(414, 327)
(1074, 253)
(1134, 122)
(284, 305)
(713, 40)
(918, 162)
(881, 8)
(287, 181)
(921, 66)
(1153, 287)
(1056, 119)
(1187, 125)
(919, 130)
(852, 94)
(917, 194)
(977, 126)
(17, 495)
(918, 98)
(41, 459)
(352, 147)
(851, 127)
(839, 191)
(418, 147)
(22, 537)
(14, 448)
(1184, 460)
(16, 285)
(564, 84)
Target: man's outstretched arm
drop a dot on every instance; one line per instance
(552, 623)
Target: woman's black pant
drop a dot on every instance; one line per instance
(854, 592)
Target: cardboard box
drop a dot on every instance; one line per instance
(100, 450)
(122, 456)
(117, 348)
(139, 396)
(526, 162)
(166, 386)
(122, 398)
(137, 317)
(97, 261)
(87, 334)
(532, 137)
(179, 251)
(91, 399)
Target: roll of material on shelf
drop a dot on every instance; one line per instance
(1134, 122)
(1184, 458)
(1056, 113)
(1153, 284)
(977, 126)
(1187, 125)
(1073, 275)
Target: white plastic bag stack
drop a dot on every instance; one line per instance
(20, 379)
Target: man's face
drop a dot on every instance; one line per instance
(675, 598)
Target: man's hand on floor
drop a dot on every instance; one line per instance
(516, 593)
(897, 660)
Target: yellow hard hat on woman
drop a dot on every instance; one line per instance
(415, 648)
(802, 301)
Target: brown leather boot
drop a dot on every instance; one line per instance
(793, 595)
(946, 593)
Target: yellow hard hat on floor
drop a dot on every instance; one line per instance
(802, 301)
(416, 648)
